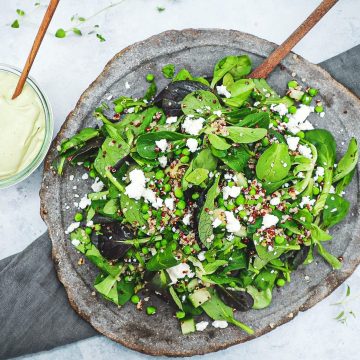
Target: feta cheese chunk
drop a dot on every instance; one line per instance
(193, 126)
(201, 326)
(269, 220)
(233, 192)
(163, 161)
(217, 222)
(220, 324)
(186, 219)
(84, 202)
(232, 224)
(169, 203)
(222, 90)
(293, 142)
(72, 227)
(179, 272)
(305, 151)
(275, 201)
(171, 119)
(281, 109)
(98, 185)
(306, 201)
(192, 144)
(162, 144)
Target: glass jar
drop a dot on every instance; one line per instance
(49, 128)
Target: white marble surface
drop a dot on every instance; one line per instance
(65, 67)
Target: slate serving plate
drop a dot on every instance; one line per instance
(198, 51)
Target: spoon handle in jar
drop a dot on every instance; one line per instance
(35, 48)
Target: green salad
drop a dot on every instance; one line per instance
(208, 194)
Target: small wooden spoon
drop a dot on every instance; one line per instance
(35, 48)
(279, 54)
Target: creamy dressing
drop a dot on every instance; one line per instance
(22, 126)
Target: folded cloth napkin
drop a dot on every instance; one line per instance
(34, 311)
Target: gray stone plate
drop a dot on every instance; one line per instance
(198, 51)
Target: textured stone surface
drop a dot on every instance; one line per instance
(197, 51)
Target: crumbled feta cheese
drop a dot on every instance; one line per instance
(162, 144)
(71, 177)
(163, 161)
(85, 176)
(281, 109)
(232, 224)
(306, 201)
(233, 192)
(201, 256)
(179, 272)
(169, 203)
(84, 202)
(292, 142)
(193, 126)
(332, 190)
(275, 201)
(322, 114)
(201, 326)
(72, 227)
(269, 220)
(217, 113)
(98, 185)
(305, 151)
(186, 219)
(171, 119)
(217, 222)
(220, 324)
(150, 196)
(127, 85)
(320, 171)
(90, 223)
(192, 144)
(76, 242)
(222, 90)
(137, 184)
(297, 122)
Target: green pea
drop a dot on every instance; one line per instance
(232, 284)
(135, 299)
(292, 84)
(176, 236)
(163, 242)
(145, 208)
(240, 200)
(128, 278)
(179, 212)
(78, 217)
(313, 92)
(180, 314)
(86, 164)
(177, 151)
(150, 77)
(187, 250)
(184, 159)
(315, 191)
(146, 216)
(285, 119)
(119, 108)
(252, 191)
(173, 246)
(230, 206)
(319, 108)
(231, 183)
(145, 250)
(167, 187)
(97, 227)
(289, 232)
(292, 109)
(92, 174)
(301, 134)
(196, 247)
(306, 99)
(221, 201)
(178, 193)
(320, 179)
(157, 245)
(265, 141)
(185, 151)
(88, 230)
(280, 282)
(195, 196)
(151, 310)
(181, 204)
(279, 239)
(274, 122)
(159, 175)
(242, 213)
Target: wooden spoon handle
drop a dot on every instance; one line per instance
(279, 54)
(35, 48)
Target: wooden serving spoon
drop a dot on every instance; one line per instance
(35, 48)
(279, 54)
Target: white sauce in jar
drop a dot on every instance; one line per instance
(22, 126)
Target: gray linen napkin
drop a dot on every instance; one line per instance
(34, 311)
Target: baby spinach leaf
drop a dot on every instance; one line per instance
(107, 288)
(218, 143)
(238, 66)
(183, 74)
(145, 145)
(243, 135)
(264, 88)
(236, 158)
(348, 161)
(318, 234)
(162, 260)
(237, 299)
(111, 207)
(344, 182)
(274, 164)
(205, 160)
(325, 145)
(331, 259)
(261, 120)
(271, 187)
(228, 80)
(240, 87)
(335, 210)
(205, 220)
(131, 210)
(197, 176)
(210, 268)
(79, 139)
(125, 291)
(151, 91)
(262, 299)
(238, 100)
(217, 310)
(168, 71)
(109, 154)
(200, 101)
